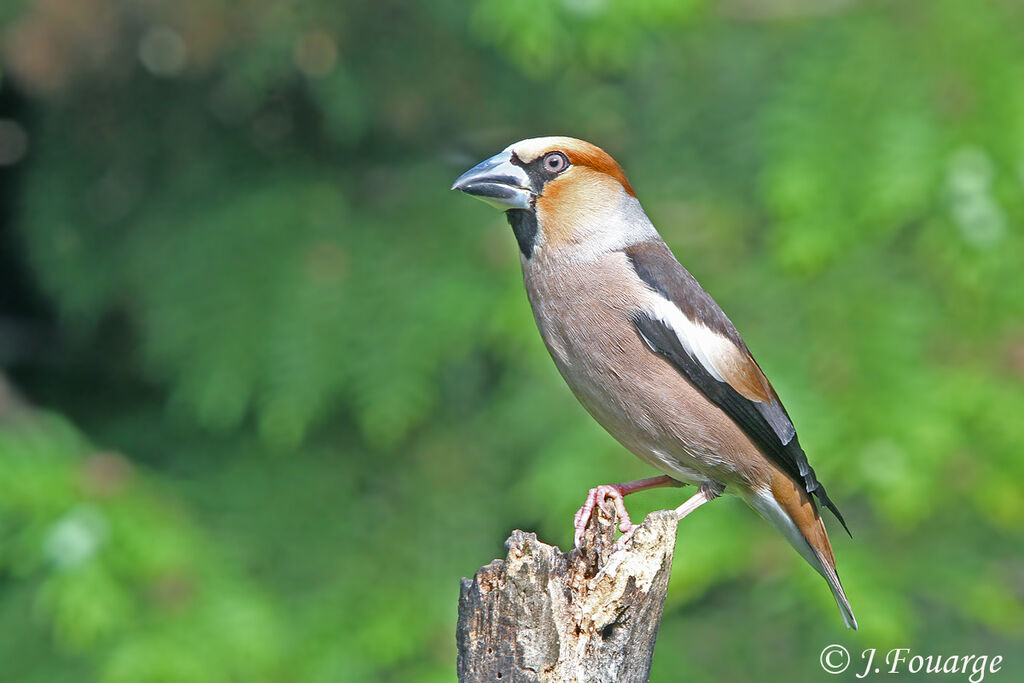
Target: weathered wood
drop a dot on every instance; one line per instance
(542, 616)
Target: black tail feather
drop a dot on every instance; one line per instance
(819, 492)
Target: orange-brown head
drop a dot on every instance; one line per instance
(558, 192)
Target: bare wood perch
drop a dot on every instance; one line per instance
(541, 615)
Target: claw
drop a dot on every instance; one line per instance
(625, 539)
(598, 496)
(615, 492)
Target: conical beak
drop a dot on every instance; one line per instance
(498, 182)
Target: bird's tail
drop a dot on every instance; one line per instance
(790, 509)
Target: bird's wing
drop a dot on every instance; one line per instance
(686, 326)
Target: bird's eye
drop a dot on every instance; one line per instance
(555, 162)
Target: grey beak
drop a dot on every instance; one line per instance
(498, 182)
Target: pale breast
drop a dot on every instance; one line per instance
(583, 311)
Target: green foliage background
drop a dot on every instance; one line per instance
(289, 389)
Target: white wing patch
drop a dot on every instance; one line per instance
(707, 347)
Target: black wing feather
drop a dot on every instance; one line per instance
(766, 423)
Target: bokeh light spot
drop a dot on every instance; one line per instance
(316, 54)
(162, 51)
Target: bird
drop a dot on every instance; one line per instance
(646, 350)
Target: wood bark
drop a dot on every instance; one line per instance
(541, 615)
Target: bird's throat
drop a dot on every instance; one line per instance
(524, 226)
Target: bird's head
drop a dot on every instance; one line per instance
(560, 194)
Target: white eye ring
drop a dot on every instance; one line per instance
(555, 162)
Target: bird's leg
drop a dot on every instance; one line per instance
(615, 492)
(707, 493)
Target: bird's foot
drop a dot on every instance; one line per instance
(598, 496)
(615, 493)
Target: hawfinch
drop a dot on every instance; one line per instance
(645, 349)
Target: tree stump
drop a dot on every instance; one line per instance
(542, 615)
